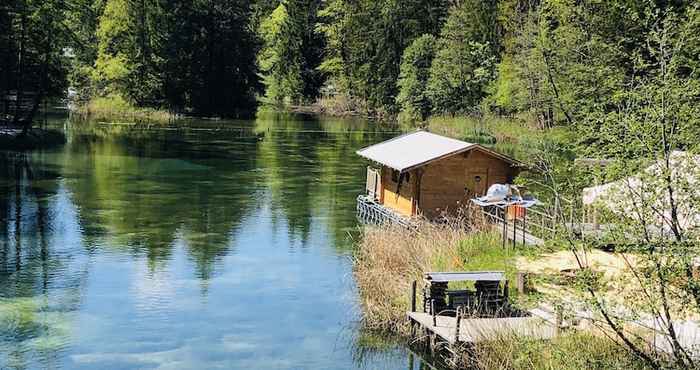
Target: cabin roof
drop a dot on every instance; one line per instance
(439, 277)
(417, 149)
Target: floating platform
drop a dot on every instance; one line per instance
(479, 330)
(369, 211)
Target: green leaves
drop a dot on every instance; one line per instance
(458, 76)
(413, 78)
(280, 58)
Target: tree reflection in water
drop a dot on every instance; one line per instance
(39, 285)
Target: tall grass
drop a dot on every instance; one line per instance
(571, 351)
(114, 108)
(390, 258)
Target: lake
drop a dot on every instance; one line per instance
(202, 245)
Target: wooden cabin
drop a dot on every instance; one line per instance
(422, 173)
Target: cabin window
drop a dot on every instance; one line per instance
(396, 175)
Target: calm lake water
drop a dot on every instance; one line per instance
(206, 245)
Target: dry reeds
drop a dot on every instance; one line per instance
(390, 258)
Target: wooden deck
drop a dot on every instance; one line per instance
(477, 330)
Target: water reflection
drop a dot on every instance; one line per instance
(213, 244)
(42, 273)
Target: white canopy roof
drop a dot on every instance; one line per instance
(419, 148)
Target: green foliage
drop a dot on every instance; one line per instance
(459, 75)
(570, 351)
(291, 52)
(32, 59)
(413, 79)
(280, 57)
(365, 41)
(197, 57)
(464, 63)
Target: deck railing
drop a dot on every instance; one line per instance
(535, 224)
(371, 212)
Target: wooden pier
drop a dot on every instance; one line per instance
(474, 330)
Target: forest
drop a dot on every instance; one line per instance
(547, 62)
(583, 91)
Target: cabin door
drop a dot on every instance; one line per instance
(374, 183)
(477, 183)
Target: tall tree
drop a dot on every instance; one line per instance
(126, 63)
(365, 41)
(32, 66)
(413, 78)
(464, 62)
(194, 57)
(291, 52)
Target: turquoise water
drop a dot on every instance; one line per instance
(206, 245)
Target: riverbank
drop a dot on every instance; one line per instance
(114, 108)
(384, 275)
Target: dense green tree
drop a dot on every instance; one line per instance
(195, 57)
(210, 57)
(82, 21)
(33, 64)
(124, 63)
(365, 41)
(413, 78)
(291, 52)
(280, 58)
(464, 63)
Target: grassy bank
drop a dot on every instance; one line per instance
(514, 136)
(389, 259)
(114, 108)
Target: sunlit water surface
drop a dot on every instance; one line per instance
(198, 246)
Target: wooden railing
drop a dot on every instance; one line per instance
(534, 225)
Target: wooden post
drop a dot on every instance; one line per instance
(459, 323)
(522, 282)
(413, 307)
(524, 224)
(413, 296)
(505, 230)
(559, 313)
(515, 219)
(432, 311)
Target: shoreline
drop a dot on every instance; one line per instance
(36, 138)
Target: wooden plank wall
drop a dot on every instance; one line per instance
(403, 201)
(449, 184)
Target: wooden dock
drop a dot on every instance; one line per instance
(477, 330)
